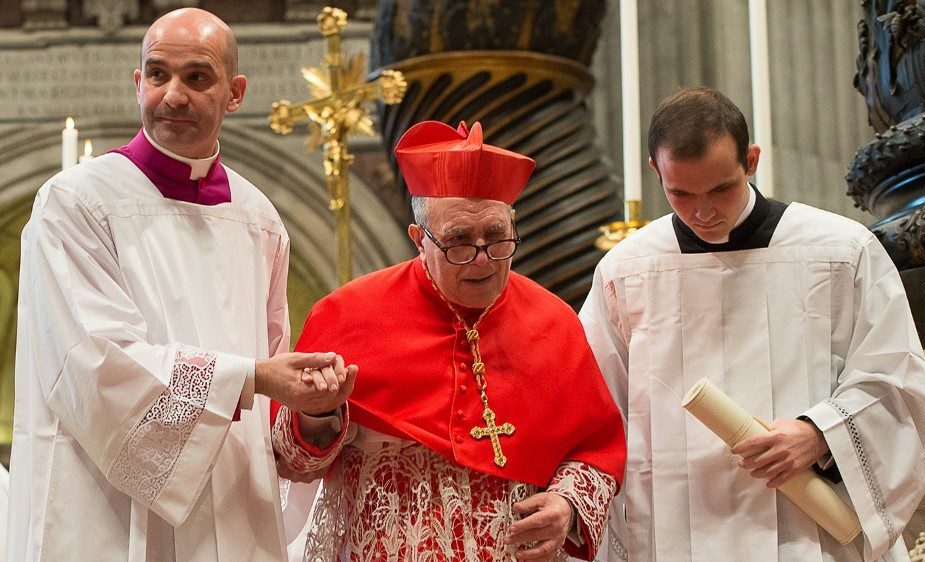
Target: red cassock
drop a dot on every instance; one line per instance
(415, 380)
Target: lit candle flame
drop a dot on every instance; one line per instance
(69, 123)
(88, 148)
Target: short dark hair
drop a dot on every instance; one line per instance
(689, 120)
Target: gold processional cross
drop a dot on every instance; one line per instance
(335, 111)
(492, 431)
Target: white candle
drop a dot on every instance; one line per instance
(761, 93)
(68, 145)
(629, 77)
(88, 152)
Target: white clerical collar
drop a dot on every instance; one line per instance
(749, 207)
(198, 167)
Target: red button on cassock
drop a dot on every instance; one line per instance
(459, 438)
(463, 388)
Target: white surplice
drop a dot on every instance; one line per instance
(139, 319)
(816, 324)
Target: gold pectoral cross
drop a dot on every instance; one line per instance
(492, 431)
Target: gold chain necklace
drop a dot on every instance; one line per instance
(490, 430)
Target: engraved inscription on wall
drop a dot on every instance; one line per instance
(62, 80)
(94, 81)
(272, 72)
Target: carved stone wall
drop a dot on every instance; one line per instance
(113, 14)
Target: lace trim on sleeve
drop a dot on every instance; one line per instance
(149, 455)
(591, 492)
(867, 470)
(616, 546)
(293, 459)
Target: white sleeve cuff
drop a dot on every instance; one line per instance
(246, 402)
(823, 416)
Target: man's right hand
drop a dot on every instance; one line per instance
(307, 382)
(791, 447)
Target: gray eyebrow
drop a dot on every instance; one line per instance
(497, 228)
(459, 233)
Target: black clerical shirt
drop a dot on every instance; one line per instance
(754, 232)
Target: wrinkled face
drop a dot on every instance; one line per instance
(183, 87)
(708, 194)
(454, 220)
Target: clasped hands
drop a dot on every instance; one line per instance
(791, 447)
(312, 383)
(315, 383)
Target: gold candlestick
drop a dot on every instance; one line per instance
(615, 232)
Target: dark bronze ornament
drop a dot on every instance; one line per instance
(891, 62)
(887, 177)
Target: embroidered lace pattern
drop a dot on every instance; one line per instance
(617, 547)
(867, 470)
(397, 501)
(292, 459)
(587, 489)
(150, 453)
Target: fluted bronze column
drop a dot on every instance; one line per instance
(520, 68)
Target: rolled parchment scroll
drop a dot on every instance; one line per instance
(807, 490)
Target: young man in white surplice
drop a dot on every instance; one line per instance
(798, 315)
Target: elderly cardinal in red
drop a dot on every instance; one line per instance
(478, 426)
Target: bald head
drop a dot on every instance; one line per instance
(196, 25)
(188, 81)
